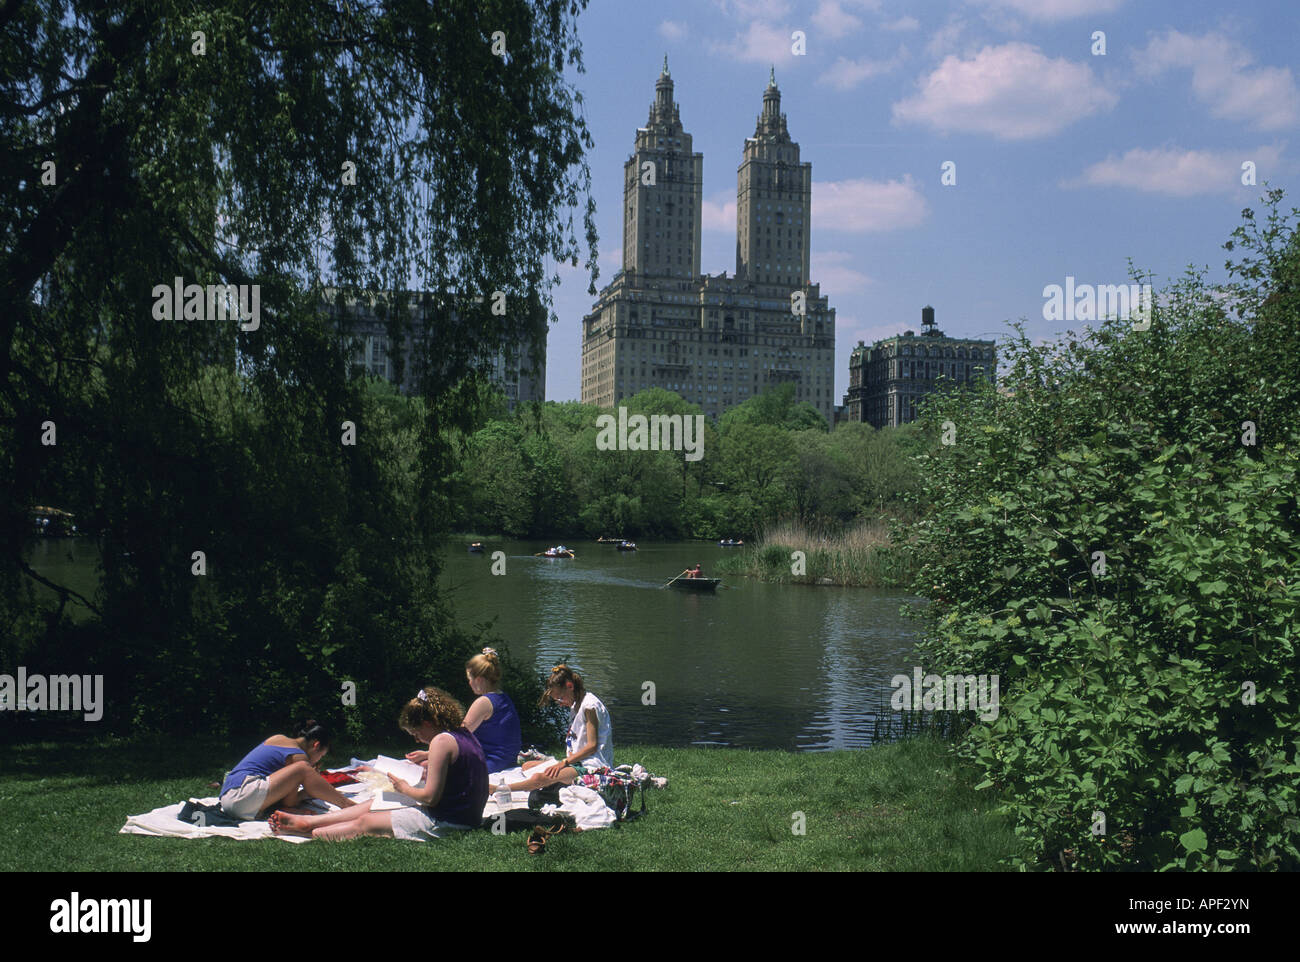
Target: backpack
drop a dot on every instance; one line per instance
(617, 789)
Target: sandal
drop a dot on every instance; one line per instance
(537, 839)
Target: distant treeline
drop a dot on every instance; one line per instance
(539, 472)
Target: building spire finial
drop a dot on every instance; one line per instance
(666, 65)
(771, 77)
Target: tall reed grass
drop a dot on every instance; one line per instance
(862, 556)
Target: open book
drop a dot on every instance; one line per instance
(385, 798)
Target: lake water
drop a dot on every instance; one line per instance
(754, 666)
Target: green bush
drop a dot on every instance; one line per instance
(1152, 689)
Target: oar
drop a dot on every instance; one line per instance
(665, 586)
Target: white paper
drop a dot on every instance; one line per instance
(409, 772)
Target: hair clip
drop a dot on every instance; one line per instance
(422, 695)
(489, 651)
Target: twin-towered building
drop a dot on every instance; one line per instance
(715, 340)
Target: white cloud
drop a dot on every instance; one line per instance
(754, 9)
(672, 30)
(833, 20)
(851, 206)
(946, 38)
(902, 24)
(718, 213)
(832, 270)
(861, 206)
(1223, 77)
(1052, 10)
(846, 74)
(1012, 92)
(1177, 173)
(759, 43)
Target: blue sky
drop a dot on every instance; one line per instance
(1066, 162)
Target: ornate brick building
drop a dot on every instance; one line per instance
(518, 374)
(887, 379)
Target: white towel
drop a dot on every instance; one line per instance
(163, 821)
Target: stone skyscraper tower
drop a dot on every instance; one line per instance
(715, 340)
(663, 188)
(773, 202)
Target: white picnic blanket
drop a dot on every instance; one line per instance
(586, 806)
(164, 821)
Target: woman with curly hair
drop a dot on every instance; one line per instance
(455, 782)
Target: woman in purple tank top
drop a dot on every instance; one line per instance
(452, 795)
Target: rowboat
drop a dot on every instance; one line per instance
(627, 546)
(730, 543)
(555, 553)
(476, 547)
(697, 584)
(52, 521)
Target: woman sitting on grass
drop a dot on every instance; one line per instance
(455, 783)
(589, 743)
(491, 716)
(280, 771)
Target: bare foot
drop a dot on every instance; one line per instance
(298, 810)
(282, 823)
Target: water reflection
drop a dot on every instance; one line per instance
(754, 666)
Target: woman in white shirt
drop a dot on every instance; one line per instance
(589, 742)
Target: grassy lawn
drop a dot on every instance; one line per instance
(897, 807)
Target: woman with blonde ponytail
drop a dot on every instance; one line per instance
(491, 716)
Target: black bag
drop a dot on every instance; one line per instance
(519, 819)
(540, 797)
(203, 815)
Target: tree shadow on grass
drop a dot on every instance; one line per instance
(113, 760)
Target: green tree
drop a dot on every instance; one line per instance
(289, 147)
(775, 407)
(823, 488)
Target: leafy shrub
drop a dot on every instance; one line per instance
(1151, 686)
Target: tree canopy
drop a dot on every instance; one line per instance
(365, 147)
